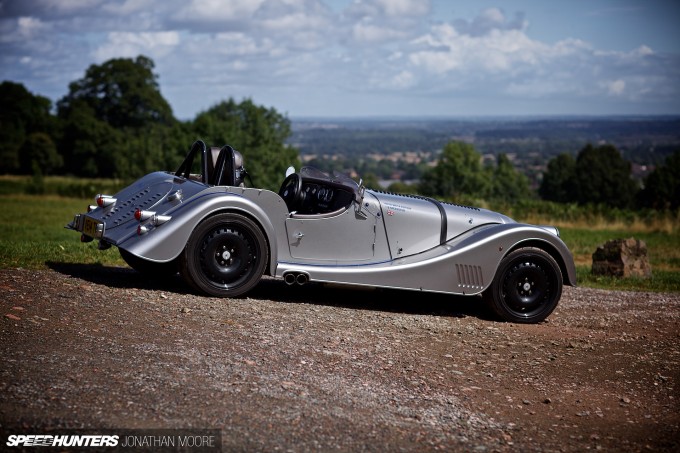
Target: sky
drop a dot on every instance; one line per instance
(363, 58)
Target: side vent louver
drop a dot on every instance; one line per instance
(469, 276)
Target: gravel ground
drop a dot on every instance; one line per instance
(326, 368)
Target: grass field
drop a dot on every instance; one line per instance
(32, 235)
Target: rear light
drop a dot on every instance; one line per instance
(153, 218)
(91, 207)
(104, 200)
(142, 229)
(143, 215)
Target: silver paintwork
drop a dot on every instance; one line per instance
(380, 239)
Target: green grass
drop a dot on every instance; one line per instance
(32, 235)
(58, 185)
(663, 252)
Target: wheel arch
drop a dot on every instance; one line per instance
(568, 272)
(271, 259)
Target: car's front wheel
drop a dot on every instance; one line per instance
(527, 286)
(225, 256)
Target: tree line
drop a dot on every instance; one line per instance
(114, 122)
(598, 175)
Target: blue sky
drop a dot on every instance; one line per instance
(362, 58)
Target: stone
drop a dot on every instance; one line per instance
(622, 258)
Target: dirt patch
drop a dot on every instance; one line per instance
(325, 368)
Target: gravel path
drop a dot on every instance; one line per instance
(325, 368)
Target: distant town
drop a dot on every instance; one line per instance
(394, 148)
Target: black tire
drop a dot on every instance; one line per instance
(527, 286)
(149, 268)
(225, 256)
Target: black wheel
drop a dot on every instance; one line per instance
(527, 286)
(149, 268)
(291, 191)
(225, 256)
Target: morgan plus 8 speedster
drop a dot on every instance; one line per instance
(222, 237)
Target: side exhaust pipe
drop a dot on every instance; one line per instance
(289, 278)
(295, 277)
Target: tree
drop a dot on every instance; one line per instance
(117, 123)
(257, 132)
(21, 114)
(458, 173)
(599, 175)
(39, 153)
(604, 176)
(507, 184)
(89, 145)
(370, 181)
(662, 186)
(121, 92)
(401, 187)
(559, 180)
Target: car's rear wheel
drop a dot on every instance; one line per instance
(149, 268)
(225, 256)
(527, 286)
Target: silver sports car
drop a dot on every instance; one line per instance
(222, 236)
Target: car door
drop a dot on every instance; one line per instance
(351, 236)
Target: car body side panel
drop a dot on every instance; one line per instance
(464, 265)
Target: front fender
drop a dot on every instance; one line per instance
(485, 247)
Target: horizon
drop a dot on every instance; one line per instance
(483, 117)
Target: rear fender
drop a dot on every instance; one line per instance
(165, 242)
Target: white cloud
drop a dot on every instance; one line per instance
(404, 7)
(615, 87)
(643, 51)
(127, 44)
(366, 33)
(30, 27)
(404, 79)
(445, 50)
(69, 6)
(388, 9)
(217, 10)
(489, 20)
(128, 7)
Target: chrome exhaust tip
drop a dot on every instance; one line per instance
(301, 279)
(289, 278)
